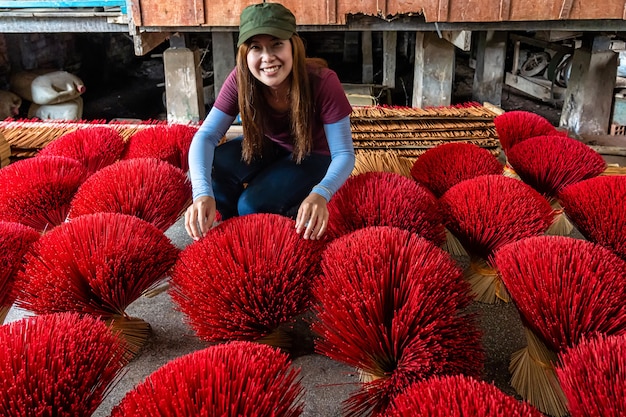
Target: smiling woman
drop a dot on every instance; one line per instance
(296, 149)
(270, 61)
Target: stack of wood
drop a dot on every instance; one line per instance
(408, 131)
(27, 137)
(391, 138)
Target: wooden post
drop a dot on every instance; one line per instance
(368, 60)
(434, 71)
(489, 73)
(183, 85)
(223, 58)
(390, 40)
(589, 96)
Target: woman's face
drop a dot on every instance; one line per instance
(270, 60)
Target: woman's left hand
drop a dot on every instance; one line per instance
(312, 217)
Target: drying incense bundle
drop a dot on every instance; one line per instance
(247, 279)
(516, 126)
(230, 379)
(390, 304)
(97, 264)
(15, 240)
(565, 290)
(38, 191)
(385, 199)
(167, 142)
(444, 166)
(551, 163)
(147, 188)
(458, 395)
(409, 131)
(381, 161)
(487, 212)
(27, 137)
(593, 376)
(94, 147)
(596, 207)
(61, 364)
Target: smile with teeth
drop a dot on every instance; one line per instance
(271, 70)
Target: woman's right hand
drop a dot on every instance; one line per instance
(200, 216)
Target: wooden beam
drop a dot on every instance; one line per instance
(462, 39)
(609, 150)
(145, 42)
(63, 4)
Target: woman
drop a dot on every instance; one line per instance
(296, 149)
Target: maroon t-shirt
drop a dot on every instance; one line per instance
(331, 105)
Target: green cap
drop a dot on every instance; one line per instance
(266, 19)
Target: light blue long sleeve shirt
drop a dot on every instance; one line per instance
(215, 126)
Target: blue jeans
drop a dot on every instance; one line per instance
(271, 184)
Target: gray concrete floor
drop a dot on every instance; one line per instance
(326, 382)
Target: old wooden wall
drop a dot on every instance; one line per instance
(333, 12)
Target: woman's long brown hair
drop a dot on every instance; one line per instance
(253, 105)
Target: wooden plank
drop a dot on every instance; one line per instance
(538, 91)
(368, 7)
(382, 7)
(307, 12)
(312, 12)
(172, 12)
(442, 11)
(609, 150)
(505, 9)
(135, 11)
(529, 10)
(61, 4)
(331, 11)
(566, 9)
